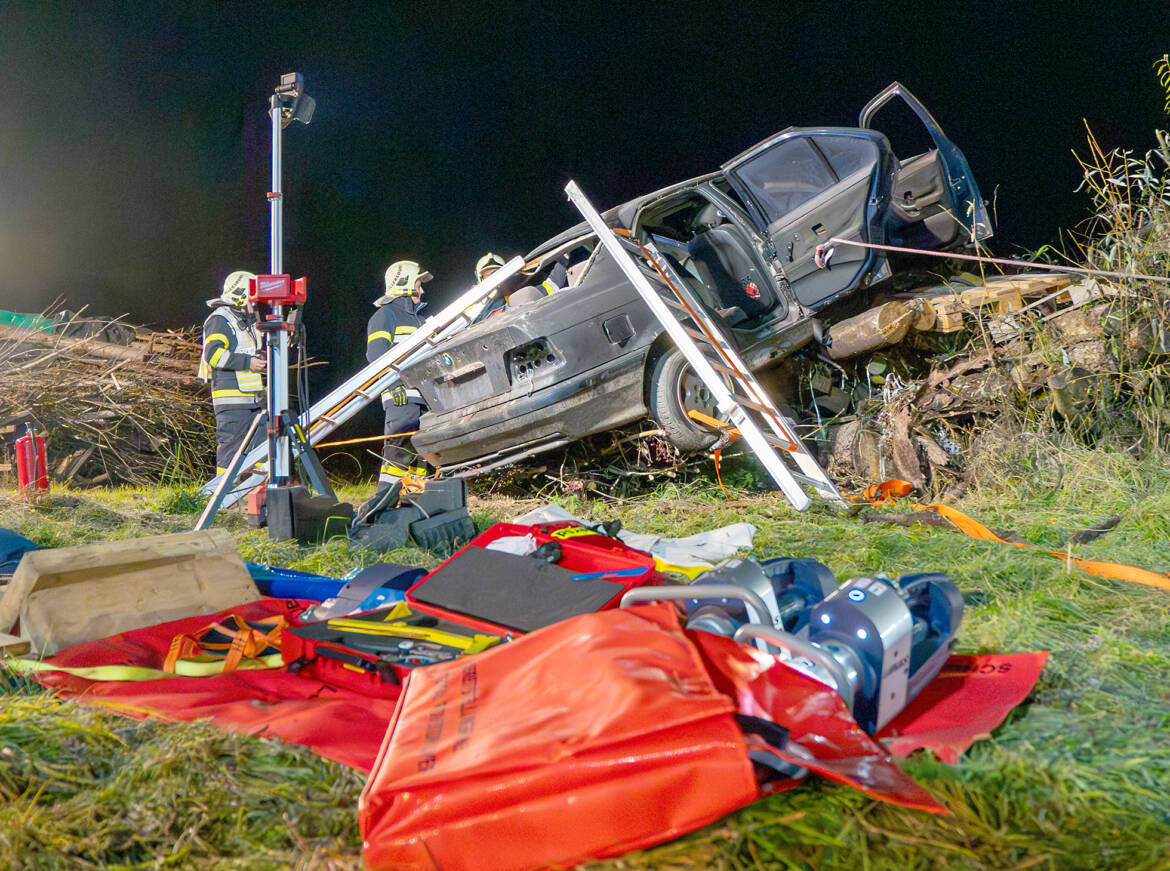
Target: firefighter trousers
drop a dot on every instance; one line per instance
(231, 425)
(398, 460)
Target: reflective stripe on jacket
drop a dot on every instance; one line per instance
(229, 344)
(390, 324)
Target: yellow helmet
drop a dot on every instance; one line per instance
(235, 290)
(488, 263)
(400, 280)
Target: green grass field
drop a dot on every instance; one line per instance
(1078, 777)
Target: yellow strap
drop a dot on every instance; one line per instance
(217, 355)
(200, 667)
(891, 491)
(215, 337)
(548, 287)
(380, 334)
(404, 330)
(401, 472)
(193, 667)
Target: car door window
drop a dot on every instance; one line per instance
(786, 176)
(846, 154)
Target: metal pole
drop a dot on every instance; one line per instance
(274, 195)
(279, 462)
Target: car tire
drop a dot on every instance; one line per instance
(673, 390)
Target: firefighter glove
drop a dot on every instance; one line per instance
(398, 395)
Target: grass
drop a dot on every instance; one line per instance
(1076, 778)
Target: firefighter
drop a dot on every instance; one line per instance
(557, 279)
(486, 265)
(398, 314)
(233, 363)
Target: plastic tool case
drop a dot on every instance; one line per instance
(476, 599)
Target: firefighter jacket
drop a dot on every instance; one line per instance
(390, 324)
(229, 343)
(558, 278)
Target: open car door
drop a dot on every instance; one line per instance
(935, 203)
(806, 186)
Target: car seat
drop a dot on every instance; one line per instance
(526, 296)
(720, 255)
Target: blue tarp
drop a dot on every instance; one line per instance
(12, 548)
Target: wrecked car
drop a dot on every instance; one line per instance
(750, 240)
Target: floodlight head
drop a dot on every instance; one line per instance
(295, 104)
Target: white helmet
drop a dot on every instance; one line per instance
(488, 262)
(400, 280)
(235, 290)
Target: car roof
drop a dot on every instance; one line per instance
(620, 215)
(624, 213)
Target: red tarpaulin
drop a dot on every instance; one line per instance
(969, 698)
(336, 723)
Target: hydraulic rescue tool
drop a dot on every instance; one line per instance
(877, 641)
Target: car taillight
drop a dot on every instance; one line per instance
(527, 361)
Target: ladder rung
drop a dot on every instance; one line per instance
(825, 486)
(774, 415)
(719, 367)
(697, 336)
(753, 406)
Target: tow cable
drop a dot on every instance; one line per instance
(824, 253)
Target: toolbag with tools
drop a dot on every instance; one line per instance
(641, 731)
(509, 580)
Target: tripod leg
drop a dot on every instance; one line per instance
(229, 476)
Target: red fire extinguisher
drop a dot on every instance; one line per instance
(30, 464)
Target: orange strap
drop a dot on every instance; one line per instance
(891, 491)
(717, 454)
(247, 642)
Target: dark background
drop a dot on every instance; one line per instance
(134, 139)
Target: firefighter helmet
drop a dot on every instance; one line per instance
(235, 290)
(487, 264)
(401, 276)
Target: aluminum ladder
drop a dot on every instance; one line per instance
(780, 450)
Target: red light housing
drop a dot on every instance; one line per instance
(277, 290)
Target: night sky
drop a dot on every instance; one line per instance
(134, 140)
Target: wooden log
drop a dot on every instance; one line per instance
(94, 347)
(91, 346)
(875, 328)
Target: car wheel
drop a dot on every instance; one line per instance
(674, 390)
